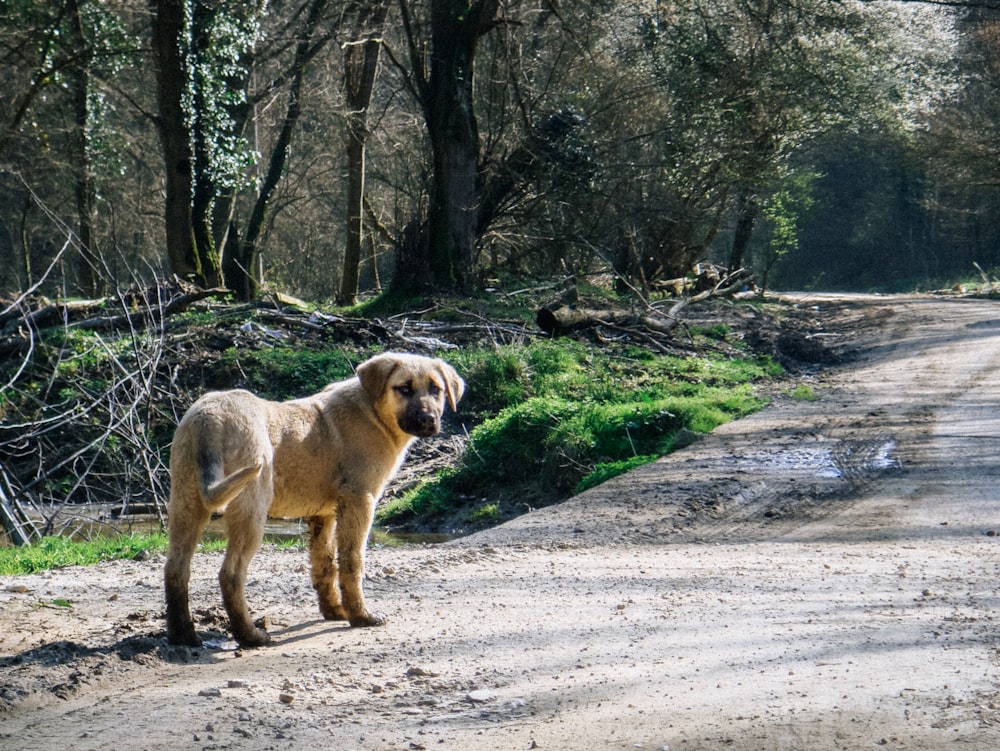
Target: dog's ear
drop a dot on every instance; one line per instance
(454, 385)
(374, 375)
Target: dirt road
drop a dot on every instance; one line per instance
(821, 575)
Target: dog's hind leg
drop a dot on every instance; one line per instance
(323, 562)
(354, 521)
(245, 529)
(188, 518)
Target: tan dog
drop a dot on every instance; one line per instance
(325, 457)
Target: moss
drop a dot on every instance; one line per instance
(580, 416)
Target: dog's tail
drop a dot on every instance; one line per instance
(217, 492)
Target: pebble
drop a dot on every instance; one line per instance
(414, 672)
(286, 698)
(212, 691)
(480, 695)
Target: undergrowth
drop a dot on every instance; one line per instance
(59, 552)
(560, 417)
(546, 418)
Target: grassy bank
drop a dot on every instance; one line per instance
(558, 417)
(544, 418)
(59, 552)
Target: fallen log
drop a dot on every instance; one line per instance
(140, 309)
(559, 321)
(559, 318)
(52, 314)
(153, 312)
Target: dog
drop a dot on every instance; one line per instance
(326, 458)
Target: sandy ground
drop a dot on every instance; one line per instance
(821, 575)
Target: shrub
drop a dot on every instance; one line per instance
(585, 417)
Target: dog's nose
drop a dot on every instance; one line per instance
(426, 421)
(420, 423)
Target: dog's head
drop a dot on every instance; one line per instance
(411, 390)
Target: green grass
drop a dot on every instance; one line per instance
(803, 393)
(718, 331)
(60, 552)
(604, 472)
(485, 514)
(282, 372)
(559, 417)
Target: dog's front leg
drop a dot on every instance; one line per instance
(353, 525)
(323, 565)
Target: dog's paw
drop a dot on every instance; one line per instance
(256, 638)
(184, 639)
(333, 612)
(367, 619)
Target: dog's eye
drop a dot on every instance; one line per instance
(433, 389)
(404, 389)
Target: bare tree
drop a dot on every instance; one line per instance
(241, 252)
(361, 56)
(443, 254)
(184, 257)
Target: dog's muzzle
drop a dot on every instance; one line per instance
(420, 423)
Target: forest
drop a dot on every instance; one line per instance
(216, 163)
(332, 149)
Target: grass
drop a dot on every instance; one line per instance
(604, 472)
(547, 418)
(559, 417)
(60, 552)
(285, 371)
(804, 393)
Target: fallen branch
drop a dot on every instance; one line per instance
(14, 520)
(149, 314)
(560, 319)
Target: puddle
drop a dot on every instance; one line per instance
(846, 460)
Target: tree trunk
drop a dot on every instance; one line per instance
(89, 276)
(447, 100)
(746, 217)
(361, 56)
(242, 254)
(205, 189)
(168, 27)
(29, 279)
(454, 135)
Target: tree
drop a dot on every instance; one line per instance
(31, 56)
(222, 40)
(207, 53)
(90, 280)
(762, 79)
(57, 60)
(361, 56)
(241, 252)
(537, 136)
(443, 255)
(184, 257)
(960, 147)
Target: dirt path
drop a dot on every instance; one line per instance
(821, 575)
